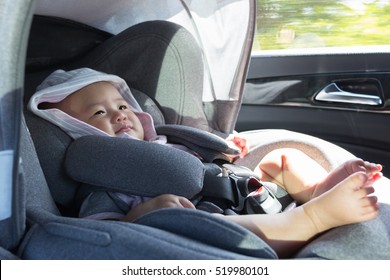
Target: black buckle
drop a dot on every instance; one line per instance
(262, 201)
(253, 197)
(237, 188)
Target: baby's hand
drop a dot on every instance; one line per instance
(240, 143)
(170, 201)
(158, 202)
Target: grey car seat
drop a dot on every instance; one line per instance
(45, 234)
(149, 238)
(12, 195)
(52, 232)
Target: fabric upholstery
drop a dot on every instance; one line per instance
(209, 146)
(362, 241)
(133, 166)
(169, 233)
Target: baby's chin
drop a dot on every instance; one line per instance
(127, 135)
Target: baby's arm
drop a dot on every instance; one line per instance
(158, 202)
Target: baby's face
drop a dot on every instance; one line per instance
(101, 105)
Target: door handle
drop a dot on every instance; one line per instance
(332, 93)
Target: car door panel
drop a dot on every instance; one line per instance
(339, 98)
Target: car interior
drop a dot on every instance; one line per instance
(174, 79)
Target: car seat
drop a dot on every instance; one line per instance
(12, 188)
(53, 232)
(110, 239)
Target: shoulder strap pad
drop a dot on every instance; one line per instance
(209, 146)
(133, 166)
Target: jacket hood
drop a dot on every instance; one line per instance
(60, 84)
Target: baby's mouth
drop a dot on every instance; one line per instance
(124, 128)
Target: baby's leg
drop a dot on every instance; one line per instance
(348, 202)
(293, 170)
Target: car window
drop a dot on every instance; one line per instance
(322, 26)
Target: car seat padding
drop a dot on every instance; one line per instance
(133, 166)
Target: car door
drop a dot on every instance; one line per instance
(322, 68)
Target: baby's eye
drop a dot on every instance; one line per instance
(122, 107)
(100, 112)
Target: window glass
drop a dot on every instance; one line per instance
(322, 26)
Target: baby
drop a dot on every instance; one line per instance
(87, 102)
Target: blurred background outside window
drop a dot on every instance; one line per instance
(322, 26)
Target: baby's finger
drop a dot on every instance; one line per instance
(186, 203)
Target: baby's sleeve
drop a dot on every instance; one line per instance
(105, 205)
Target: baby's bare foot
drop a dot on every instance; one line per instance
(356, 165)
(348, 202)
(346, 169)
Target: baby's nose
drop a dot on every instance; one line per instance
(120, 116)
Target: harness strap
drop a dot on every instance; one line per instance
(217, 187)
